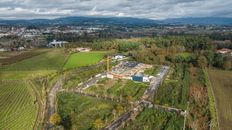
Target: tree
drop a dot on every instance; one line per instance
(98, 123)
(210, 56)
(218, 60)
(55, 119)
(202, 61)
(119, 109)
(227, 64)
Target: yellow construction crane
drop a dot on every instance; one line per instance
(108, 60)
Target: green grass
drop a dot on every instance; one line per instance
(220, 87)
(15, 75)
(184, 54)
(154, 119)
(152, 71)
(84, 59)
(17, 110)
(120, 88)
(80, 112)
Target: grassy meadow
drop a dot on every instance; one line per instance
(222, 88)
(84, 58)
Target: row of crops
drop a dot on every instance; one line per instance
(18, 107)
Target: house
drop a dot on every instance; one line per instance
(21, 48)
(83, 49)
(2, 50)
(118, 57)
(224, 51)
(55, 43)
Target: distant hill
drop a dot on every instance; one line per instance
(201, 21)
(82, 21)
(118, 21)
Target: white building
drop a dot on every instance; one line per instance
(55, 43)
(83, 49)
(118, 57)
(21, 48)
(2, 49)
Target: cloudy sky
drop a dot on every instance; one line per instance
(154, 9)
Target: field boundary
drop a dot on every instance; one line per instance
(40, 108)
(212, 102)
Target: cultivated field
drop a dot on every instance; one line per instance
(85, 113)
(43, 64)
(52, 60)
(222, 88)
(199, 112)
(84, 58)
(7, 58)
(18, 109)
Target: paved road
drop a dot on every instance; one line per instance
(170, 109)
(51, 104)
(131, 114)
(52, 97)
(90, 82)
(155, 83)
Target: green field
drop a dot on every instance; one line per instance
(84, 58)
(81, 112)
(126, 89)
(154, 119)
(222, 88)
(184, 54)
(18, 109)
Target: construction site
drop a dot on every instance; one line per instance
(130, 70)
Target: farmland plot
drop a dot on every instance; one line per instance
(18, 109)
(222, 88)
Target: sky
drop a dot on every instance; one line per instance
(152, 9)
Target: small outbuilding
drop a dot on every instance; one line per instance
(118, 57)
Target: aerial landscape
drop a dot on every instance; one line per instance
(115, 65)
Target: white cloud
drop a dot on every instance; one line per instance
(160, 9)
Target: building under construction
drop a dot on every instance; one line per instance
(129, 70)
